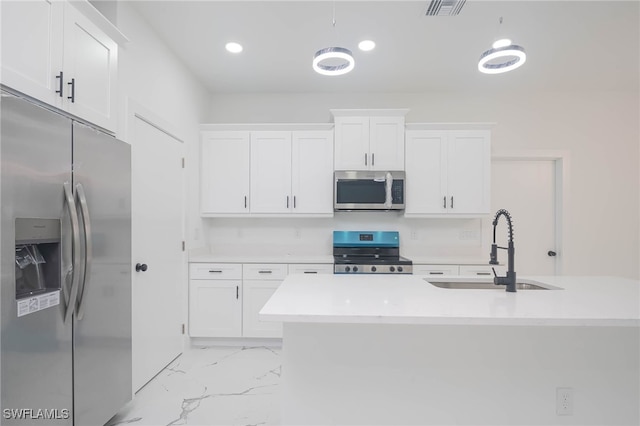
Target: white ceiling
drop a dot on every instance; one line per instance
(571, 45)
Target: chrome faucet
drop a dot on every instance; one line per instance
(510, 279)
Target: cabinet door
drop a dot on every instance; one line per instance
(469, 172)
(386, 143)
(352, 143)
(224, 173)
(255, 295)
(426, 162)
(312, 172)
(32, 48)
(90, 70)
(215, 308)
(271, 172)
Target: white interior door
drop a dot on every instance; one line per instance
(526, 188)
(157, 218)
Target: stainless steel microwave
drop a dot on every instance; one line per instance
(368, 190)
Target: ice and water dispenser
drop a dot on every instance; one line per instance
(38, 260)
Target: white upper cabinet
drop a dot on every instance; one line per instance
(352, 143)
(91, 68)
(370, 140)
(386, 143)
(312, 172)
(32, 33)
(224, 173)
(267, 173)
(271, 172)
(54, 53)
(448, 172)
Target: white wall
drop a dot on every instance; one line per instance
(152, 76)
(599, 132)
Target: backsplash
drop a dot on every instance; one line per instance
(424, 238)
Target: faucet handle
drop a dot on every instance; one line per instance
(494, 272)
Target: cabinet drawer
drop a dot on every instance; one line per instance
(311, 268)
(264, 271)
(215, 271)
(435, 270)
(482, 270)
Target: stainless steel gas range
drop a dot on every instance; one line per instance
(368, 252)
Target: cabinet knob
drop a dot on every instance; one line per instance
(551, 253)
(141, 267)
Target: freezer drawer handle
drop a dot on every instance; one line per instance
(75, 235)
(88, 249)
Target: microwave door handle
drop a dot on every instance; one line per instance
(387, 186)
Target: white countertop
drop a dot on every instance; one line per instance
(408, 299)
(284, 258)
(302, 258)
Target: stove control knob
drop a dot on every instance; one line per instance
(392, 269)
(399, 268)
(373, 269)
(347, 268)
(355, 269)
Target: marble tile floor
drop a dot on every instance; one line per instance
(210, 386)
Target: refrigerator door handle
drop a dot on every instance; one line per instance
(75, 231)
(88, 255)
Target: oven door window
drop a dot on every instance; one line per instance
(361, 191)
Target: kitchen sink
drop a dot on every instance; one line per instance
(483, 284)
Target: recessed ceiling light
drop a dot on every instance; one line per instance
(367, 45)
(233, 47)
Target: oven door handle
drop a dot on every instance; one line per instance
(387, 187)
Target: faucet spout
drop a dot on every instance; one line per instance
(510, 279)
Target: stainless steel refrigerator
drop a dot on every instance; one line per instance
(65, 269)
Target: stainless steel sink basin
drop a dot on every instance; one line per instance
(483, 284)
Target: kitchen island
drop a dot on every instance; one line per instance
(385, 349)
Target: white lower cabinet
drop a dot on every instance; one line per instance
(225, 299)
(260, 281)
(483, 270)
(436, 270)
(215, 300)
(474, 270)
(311, 268)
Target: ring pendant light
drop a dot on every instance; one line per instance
(513, 56)
(334, 60)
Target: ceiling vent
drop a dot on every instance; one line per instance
(444, 7)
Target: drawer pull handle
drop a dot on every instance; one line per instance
(265, 272)
(436, 273)
(215, 271)
(483, 273)
(310, 272)
(237, 292)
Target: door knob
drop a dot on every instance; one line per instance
(551, 253)
(141, 267)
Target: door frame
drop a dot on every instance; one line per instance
(136, 111)
(561, 161)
